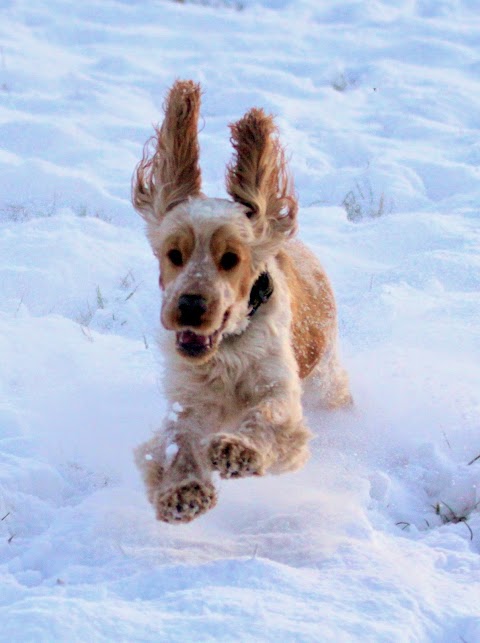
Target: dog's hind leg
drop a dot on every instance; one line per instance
(328, 384)
(177, 476)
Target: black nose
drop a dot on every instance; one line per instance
(192, 308)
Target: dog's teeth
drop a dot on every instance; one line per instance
(189, 337)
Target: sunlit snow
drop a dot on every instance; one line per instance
(378, 537)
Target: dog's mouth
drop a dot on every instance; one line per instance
(194, 344)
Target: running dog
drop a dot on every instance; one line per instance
(248, 312)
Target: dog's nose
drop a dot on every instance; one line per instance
(192, 308)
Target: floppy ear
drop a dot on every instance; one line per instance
(169, 171)
(257, 177)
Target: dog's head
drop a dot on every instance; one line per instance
(211, 251)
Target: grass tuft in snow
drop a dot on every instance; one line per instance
(360, 203)
(82, 211)
(19, 212)
(344, 81)
(85, 316)
(16, 212)
(86, 332)
(403, 525)
(448, 515)
(128, 283)
(100, 299)
(25, 211)
(4, 86)
(11, 535)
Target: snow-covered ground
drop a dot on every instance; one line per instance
(378, 538)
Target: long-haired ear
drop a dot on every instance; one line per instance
(169, 171)
(257, 177)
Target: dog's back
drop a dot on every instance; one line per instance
(312, 304)
(314, 324)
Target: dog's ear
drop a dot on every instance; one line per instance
(257, 177)
(169, 171)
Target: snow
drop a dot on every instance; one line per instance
(378, 537)
(171, 451)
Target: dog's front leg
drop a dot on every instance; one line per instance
(272, 437)
(176, 473)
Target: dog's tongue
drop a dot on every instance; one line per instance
(192, 339)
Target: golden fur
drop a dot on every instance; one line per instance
(234, 380)
(172, 172)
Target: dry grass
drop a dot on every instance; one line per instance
(360, 203)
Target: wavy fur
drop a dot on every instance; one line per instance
(258, 178)
(169, 171)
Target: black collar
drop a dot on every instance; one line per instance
(261, 292)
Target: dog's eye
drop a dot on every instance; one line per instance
(175, 257)
(229, 260)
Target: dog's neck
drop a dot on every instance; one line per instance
(260, 293)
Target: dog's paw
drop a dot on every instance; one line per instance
(185, 502)
(232, 458)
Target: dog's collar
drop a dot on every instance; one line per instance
(260, 293)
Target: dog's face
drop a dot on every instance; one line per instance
(206, 273)
(211, 250)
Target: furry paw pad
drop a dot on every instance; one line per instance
(185, 502)
(232, 458)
